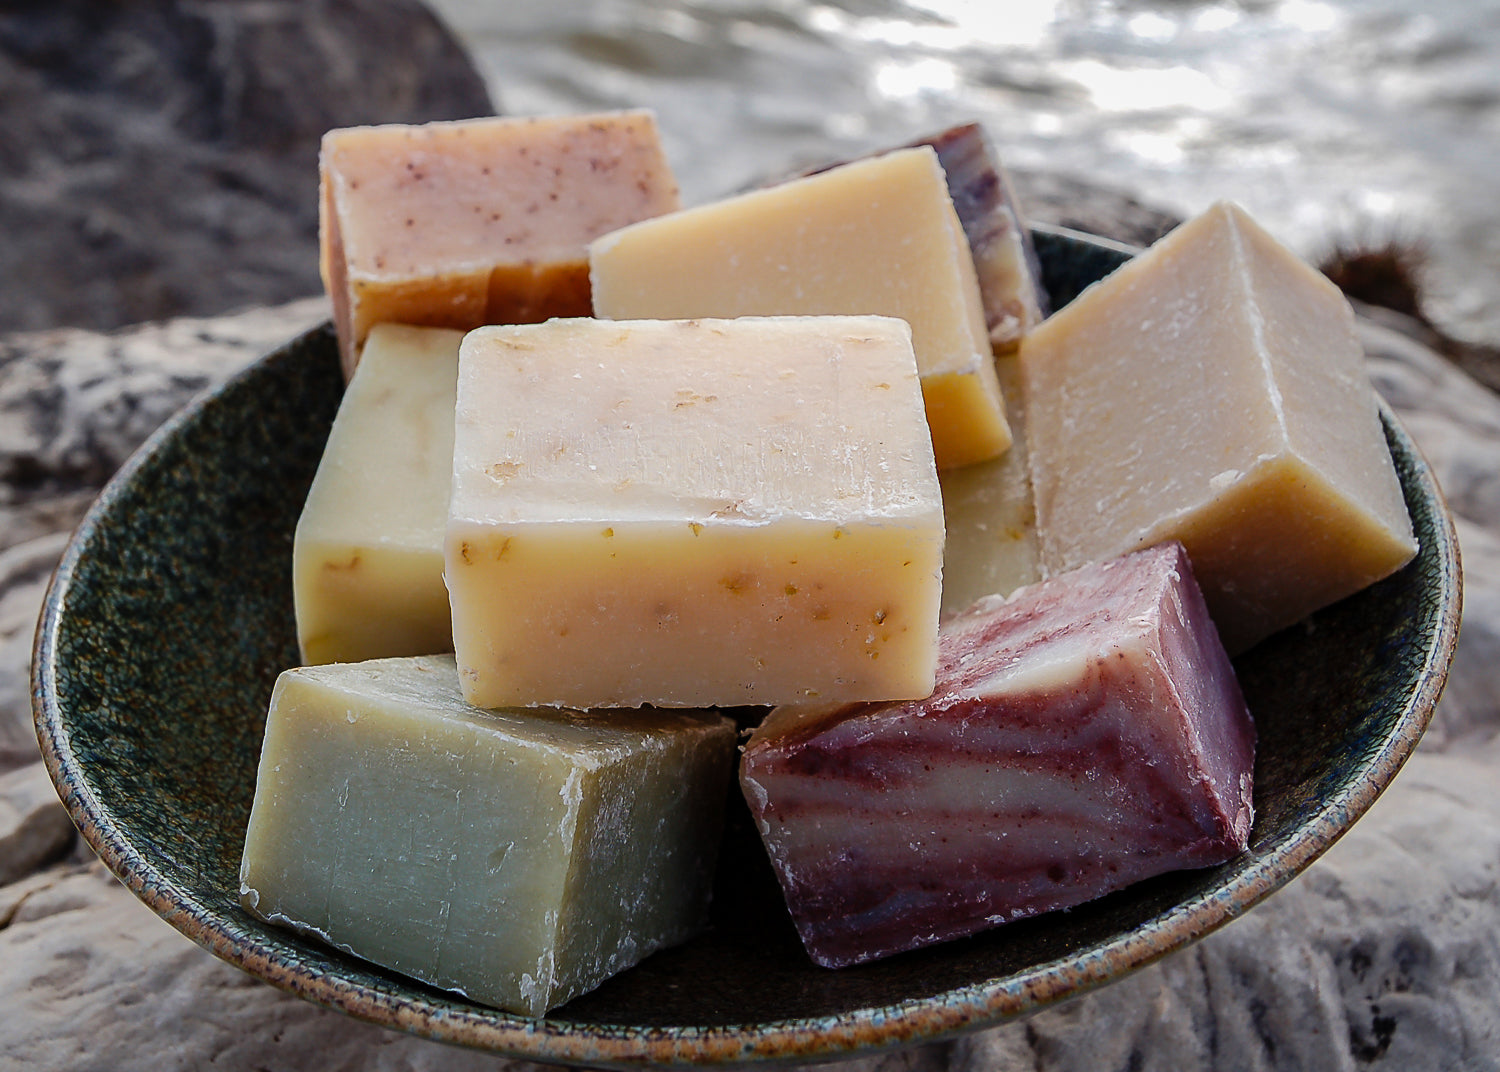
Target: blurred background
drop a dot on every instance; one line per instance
(158, 157)
(1352, 123)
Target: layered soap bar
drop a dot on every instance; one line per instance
(481, 221)
(1213, 391)
(689, 513)
(517, 857)
(1084, 734)
(1009, 271)
(874, 236)
(367, 558)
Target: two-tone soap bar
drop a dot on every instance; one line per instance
(1084, 734)
(516, 857)
(690, 513)
(480, 221)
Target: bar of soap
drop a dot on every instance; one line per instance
(690, 513)
(481, 221)
(1213, 391)
(1005, 260)
(990, 517)
(367, 558)
(517, 857)
(1009, 271)
(873, 236)
(1084, 734)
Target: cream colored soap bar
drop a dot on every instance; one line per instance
(873, 236)
(1213, 391)
(367, 559)
(690, 513)
(991, 546)
(517, 857)
(482, 221)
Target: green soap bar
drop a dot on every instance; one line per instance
(518, 857)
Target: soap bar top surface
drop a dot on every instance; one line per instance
(367, 557)
(693, 513)
(1084, 734)
(418, 200)
(1212, 390)
(721, 421)
(517, 857)
(876, 236)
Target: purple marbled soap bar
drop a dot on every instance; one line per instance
(1086, 733)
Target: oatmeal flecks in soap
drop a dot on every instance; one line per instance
(480, 221)
(690, 513)
(517, 857)
(873, 236)
(1085, 734)
(1213, 391)
(367, 558)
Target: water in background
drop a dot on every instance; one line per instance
(1353, 121)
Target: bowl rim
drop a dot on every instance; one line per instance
(864, 1031)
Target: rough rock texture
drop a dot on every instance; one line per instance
(73, 406)
(1384, 955)
(170, 167)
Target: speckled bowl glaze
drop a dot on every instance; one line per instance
(171, 615)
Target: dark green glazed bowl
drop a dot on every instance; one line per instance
(171, 615)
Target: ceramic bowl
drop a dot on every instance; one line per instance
(171, 615)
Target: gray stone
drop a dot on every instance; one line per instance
(1052, 197)
(160, 156)
(34, 828)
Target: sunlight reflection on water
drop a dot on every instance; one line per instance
(1355, 120)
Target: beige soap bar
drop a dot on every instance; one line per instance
(517, 857)
(367, 558)
(990, 517)
(482, 221)
(1213, 391)
(691, 513)
(873, 236)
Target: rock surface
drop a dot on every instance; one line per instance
(170, 168)
(1384, 955)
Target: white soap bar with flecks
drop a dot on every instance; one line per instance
(876, 236)
(693, 513)
(517, 857)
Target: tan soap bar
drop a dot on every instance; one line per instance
(481, 221)
(517, 857)
(989, 515)
(1213, 391)
(367, 558)
(691, 513)
(874, 236)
